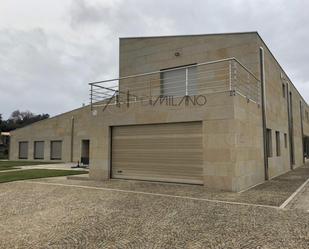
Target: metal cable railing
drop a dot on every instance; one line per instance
(199, 79)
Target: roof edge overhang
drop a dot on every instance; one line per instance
(191, 35)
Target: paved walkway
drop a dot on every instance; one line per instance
(62, 166)
(45, 215)
(301, 200)
(61, 213)
(271, 193)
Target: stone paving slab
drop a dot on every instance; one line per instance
(301, 200)
(34, 215)
(40, 214)
(273, 192)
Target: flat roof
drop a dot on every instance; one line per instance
(191, 35)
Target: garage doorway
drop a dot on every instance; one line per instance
(85, 152)
(171, 152)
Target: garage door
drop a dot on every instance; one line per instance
(159, 152)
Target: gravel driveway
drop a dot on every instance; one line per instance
(42, 214)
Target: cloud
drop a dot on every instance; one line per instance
(45, 66)
(44, 73)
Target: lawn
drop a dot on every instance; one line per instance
(7, 165)
(36, 173)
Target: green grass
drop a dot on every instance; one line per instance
(36, 173)
(5, 167)
(8, 165)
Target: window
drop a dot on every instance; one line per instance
(278, 146)
(285, 141)
(269, 143)
(55, 150)
(23, 150)
(307, 116)
(283, 90)
(38, 152)
(179, 82)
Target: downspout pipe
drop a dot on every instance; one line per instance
(72, 138)
(289, 123)
(262, 76)
(302, 130)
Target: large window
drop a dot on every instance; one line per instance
(278, 145)
(179, 82)
(55, 150)
(269, 143)
(23, 150)
(38, 152)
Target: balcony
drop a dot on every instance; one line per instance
(227, 75)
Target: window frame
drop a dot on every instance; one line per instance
(51, 150)
(166, 70)
(283, 90)
(34, 150)
(285, 140)
(278, 144)
(19, 146)
(269, 143)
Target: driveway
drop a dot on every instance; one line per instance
(301, 200)
(60, 213)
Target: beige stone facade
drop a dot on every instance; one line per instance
(232, 125)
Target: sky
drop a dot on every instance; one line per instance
(50, 50)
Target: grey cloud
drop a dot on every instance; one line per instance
(42, 73)
(48, 72)
(281, 24)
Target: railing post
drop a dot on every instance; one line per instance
(250, 89)
(187, 70)
(230, 74)
(91, 89)
(128, 98)
(116, 97)
(234, 76)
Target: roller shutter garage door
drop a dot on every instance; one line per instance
(158, 152)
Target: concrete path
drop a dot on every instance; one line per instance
(62, 166)
(271, 193)
(61, 213)
(35, 215)
(301, 200)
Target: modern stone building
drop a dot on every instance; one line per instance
(215, 109)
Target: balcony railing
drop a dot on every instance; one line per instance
(197, 79)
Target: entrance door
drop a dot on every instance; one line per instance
(85, 152)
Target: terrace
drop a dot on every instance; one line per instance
(226, 75)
